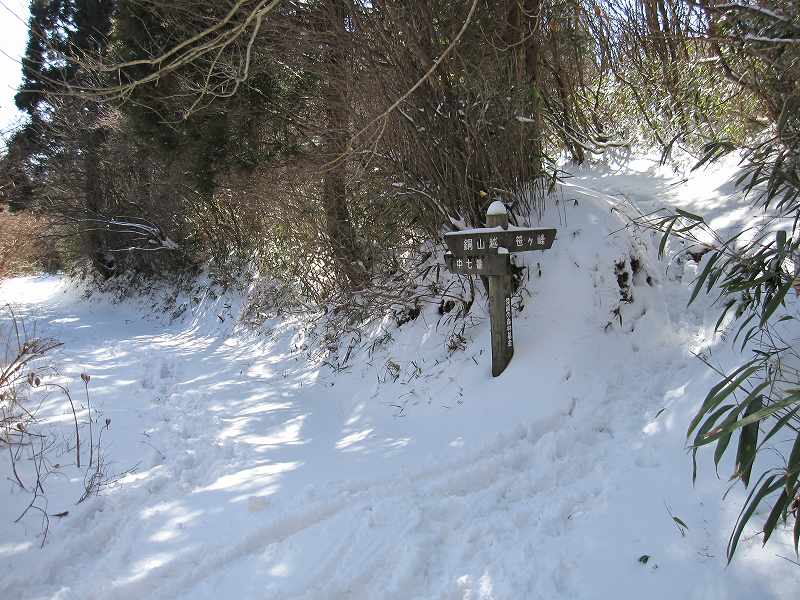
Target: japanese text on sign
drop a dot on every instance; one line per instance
(509, 333)
(486, 265)
(481, 242)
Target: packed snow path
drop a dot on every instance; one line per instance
(261, 474)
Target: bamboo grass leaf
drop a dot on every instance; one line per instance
(709, 423)
(748, 440)
(776, 301)
(757, 415)
(704, 275)
(778, 509)
(689, 215)
(721, 390)
(770, 485)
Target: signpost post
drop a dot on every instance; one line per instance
(486, 251)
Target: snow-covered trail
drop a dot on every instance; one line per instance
(260, 474)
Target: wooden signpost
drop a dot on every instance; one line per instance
(487, 251)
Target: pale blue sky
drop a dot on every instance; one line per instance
(13, 38)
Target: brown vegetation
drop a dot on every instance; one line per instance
(23, 246)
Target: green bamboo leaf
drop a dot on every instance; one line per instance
(772, 483)
(793, 466)
(750, 334)
(741, 178)
(748, 441)
(728, 306)
(753, 396)
(709, 423)
(788, 196)
(712, 152)
(723, 440)
(780, 242)
(776, 301)
(774, 186)
(759, 180)
(733, 385)
(776, 176)
(755, 178)
(796, 534)
(681, 523)
(665, 237)
(747, 284)
(721, 390)
(742, 326)
(778, 509)
(689, 215)
(780, 424)
(712, 280)
(687, 228)
(759, 415)
(704, 274)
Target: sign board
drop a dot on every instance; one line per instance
(479, 242)
(477, 252)
(487, 265)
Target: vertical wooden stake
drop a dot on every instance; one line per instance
(500, 301)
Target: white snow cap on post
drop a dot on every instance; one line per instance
(496, 208)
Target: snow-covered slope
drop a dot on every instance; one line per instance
(411, 473)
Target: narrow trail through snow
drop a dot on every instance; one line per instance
(260, 474)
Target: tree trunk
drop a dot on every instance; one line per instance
(575, 149)
(334, 191)
(93, 243)
(533, 50)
